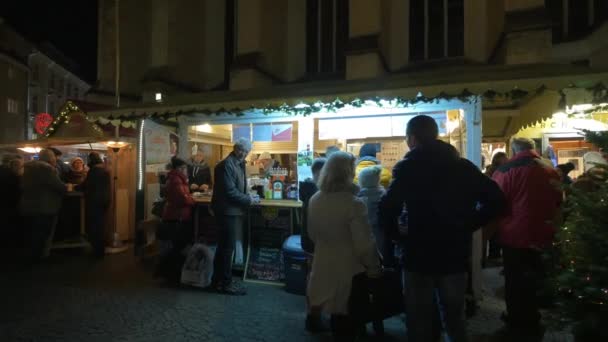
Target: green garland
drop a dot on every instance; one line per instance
(64, 118)
(305, 109)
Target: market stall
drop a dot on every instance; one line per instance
(291, 140)
(72, 133)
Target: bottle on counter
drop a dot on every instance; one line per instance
(277, 190)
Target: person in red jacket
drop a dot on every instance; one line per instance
(533, 193)
(177, 219)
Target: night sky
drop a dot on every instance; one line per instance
(70, 25)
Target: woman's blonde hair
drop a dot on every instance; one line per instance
(338, 173)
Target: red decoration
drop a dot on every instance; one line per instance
(42, 121)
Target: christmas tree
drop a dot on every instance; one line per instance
(580, 273)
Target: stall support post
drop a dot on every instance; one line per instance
(473, 121)
(306, 138)
(182, 132)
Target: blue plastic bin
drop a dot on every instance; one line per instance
(294, 258)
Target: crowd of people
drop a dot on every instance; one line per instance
(436, 200)
(35, 193)
(358, 218)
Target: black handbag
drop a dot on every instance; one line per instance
(374, 300)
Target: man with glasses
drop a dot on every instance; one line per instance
(230, 202)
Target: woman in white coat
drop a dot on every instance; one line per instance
(344, 244)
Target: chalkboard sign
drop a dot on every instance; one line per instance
(269, 227)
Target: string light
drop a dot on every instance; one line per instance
(140, 156)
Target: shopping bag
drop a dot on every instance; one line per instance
(374, 300)
(198, 267)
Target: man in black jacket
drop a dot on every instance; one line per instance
(199, 173)
(447, 198)
(230, 202)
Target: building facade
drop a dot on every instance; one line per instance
(191, 52)
(35, 79)
(52, 82)
(13, 98)
(193, 46)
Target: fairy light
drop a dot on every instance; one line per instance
(140, 156)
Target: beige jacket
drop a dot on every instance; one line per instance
(344, 247)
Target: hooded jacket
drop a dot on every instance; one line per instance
(179, 201)
(363, 162)
(447, 199)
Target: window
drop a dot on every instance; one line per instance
(51, 108)
(34, 108)
(327, 35)
(575, 19)
(12, 106)
(158, 97)
(436, 29)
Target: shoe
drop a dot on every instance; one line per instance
(314, 324)
(232, 289)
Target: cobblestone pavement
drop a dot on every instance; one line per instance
(75, 298)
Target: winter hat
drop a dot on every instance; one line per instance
(369, 177)
(368, 150)
(74, 160)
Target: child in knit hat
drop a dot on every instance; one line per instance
(371, 192)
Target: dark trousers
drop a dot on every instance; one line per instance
(170, 265)
(95, 218)
(222, 263)
(423, 294)
(41, 228)
(524, 274)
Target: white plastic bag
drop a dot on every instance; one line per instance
(198, 268)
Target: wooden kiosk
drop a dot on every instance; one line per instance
(72, 130)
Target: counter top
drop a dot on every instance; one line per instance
(263, 203)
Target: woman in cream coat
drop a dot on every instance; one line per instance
(344, 244)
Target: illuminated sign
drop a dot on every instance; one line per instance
(42, 121)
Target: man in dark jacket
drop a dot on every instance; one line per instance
(199, 173)
(62, 168)
(97, 194)
(41, 201)
(447, 199)
(229, 204)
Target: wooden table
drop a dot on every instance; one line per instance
(292, 205)
(80, 240)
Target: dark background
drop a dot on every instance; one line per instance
(69, 25)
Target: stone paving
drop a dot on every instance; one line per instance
(75, 298)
